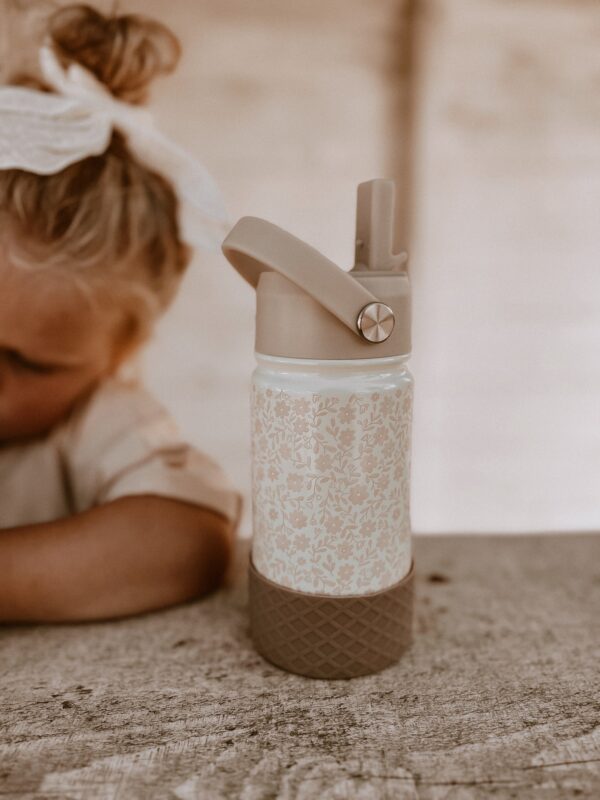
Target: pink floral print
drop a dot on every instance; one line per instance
(331, 488)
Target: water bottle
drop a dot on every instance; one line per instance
(330, 573)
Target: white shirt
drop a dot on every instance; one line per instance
(118, 441)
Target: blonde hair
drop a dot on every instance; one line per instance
(108, 220)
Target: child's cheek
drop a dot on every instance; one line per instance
(32, 404)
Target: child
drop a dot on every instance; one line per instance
(104, 510)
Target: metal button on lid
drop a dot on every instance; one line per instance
(375, 322)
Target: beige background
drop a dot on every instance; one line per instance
(506, 267)
(291, 105)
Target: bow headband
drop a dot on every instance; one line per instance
(44, 133)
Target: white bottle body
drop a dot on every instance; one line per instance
(331, 443)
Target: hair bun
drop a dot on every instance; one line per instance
(124, 52)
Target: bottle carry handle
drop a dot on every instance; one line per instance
(255, 245)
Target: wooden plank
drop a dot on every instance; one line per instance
(498, 696)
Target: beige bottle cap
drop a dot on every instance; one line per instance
(307, 307)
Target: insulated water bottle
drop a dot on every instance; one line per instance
(331, 569)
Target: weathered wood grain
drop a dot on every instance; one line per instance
(498, 696)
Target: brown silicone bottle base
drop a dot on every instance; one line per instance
(323, 636)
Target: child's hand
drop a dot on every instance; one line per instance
(135, 554)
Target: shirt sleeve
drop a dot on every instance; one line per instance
(121, 441)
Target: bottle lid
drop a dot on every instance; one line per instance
(307, 307)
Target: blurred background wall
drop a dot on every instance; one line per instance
(487, 114)
(290, 105)
(506, 266)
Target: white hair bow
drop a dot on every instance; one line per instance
(44, 133)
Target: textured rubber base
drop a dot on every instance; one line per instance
(324, 636)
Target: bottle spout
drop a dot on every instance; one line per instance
(374, 242)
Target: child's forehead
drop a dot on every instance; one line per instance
(47, 313)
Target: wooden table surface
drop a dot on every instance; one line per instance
(498, 696)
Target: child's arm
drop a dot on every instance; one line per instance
(134, 554)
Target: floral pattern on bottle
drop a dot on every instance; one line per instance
(330, 476)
